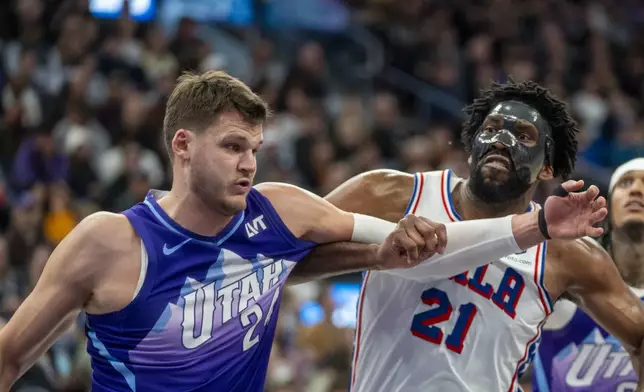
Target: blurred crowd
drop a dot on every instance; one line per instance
(82, 103)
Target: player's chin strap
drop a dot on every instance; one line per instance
(543, 225)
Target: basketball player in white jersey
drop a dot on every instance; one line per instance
(478, 331)
(576, 354)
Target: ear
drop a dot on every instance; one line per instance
(547, 173)
(182, 143)
(469, 160)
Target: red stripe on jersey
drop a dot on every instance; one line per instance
(421, 181)
(444, 190)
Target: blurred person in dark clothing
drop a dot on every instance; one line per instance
(24, 232)
(137, 188)
(38, 161)
(308, 73)
(10, 285)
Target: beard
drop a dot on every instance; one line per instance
(633, 230)
(212, 191)
(492, 191)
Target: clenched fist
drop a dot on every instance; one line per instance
(415, 239)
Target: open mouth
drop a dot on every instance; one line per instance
(497, 161)
(635, 204)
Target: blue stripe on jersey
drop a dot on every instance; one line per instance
(152, 205)
(118, 365)
(448, 191)
(540, 375)
(413, 194)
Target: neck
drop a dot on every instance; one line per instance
(191, 213)
(629, 258)
(470, 207)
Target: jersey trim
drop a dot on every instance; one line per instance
(532, 345)
(539, 377)
(356, 345)
(160, 215)
(130, 379)
(539, 272)
(414, 200)
(446, 196)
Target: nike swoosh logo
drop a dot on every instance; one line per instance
(168, 251)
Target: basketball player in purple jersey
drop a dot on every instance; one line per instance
(576, 354)
(182, 291)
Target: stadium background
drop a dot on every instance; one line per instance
(356, 85)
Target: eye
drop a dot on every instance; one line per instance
(625, 182)
(234, 147)
(489, 129)
(524, 137)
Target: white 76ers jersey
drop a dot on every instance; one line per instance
(475, 332)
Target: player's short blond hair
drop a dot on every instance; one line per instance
(198, 99)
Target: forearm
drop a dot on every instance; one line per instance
(333, 259)
(471, 244)
(14, 363)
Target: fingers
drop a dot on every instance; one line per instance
(402, 241)
(599, 203)
(598, 215)
(572, 185)
(594, 231)
(439, 231)
(422, 237)
(592, 192)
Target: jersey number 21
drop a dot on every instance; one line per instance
(423, 324)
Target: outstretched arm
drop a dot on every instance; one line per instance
(594, 283)
(385, 195)
(65, 287)
(470, 244)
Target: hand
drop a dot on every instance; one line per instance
(414, 240)
(574, 215)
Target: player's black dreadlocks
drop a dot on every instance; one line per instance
(564, 128)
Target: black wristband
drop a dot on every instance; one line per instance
(560, 191)
(543, 225)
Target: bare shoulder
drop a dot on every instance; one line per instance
(380, 193)
(103, 232)
(289, 199)
(306, 215)
(100, 257)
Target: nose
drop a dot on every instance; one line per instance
(638, 188)
(247, 163)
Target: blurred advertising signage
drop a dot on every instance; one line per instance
(230, 11)
(321, 15)
(140, 10)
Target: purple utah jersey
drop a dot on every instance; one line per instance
(577, 355)
(205, 314)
